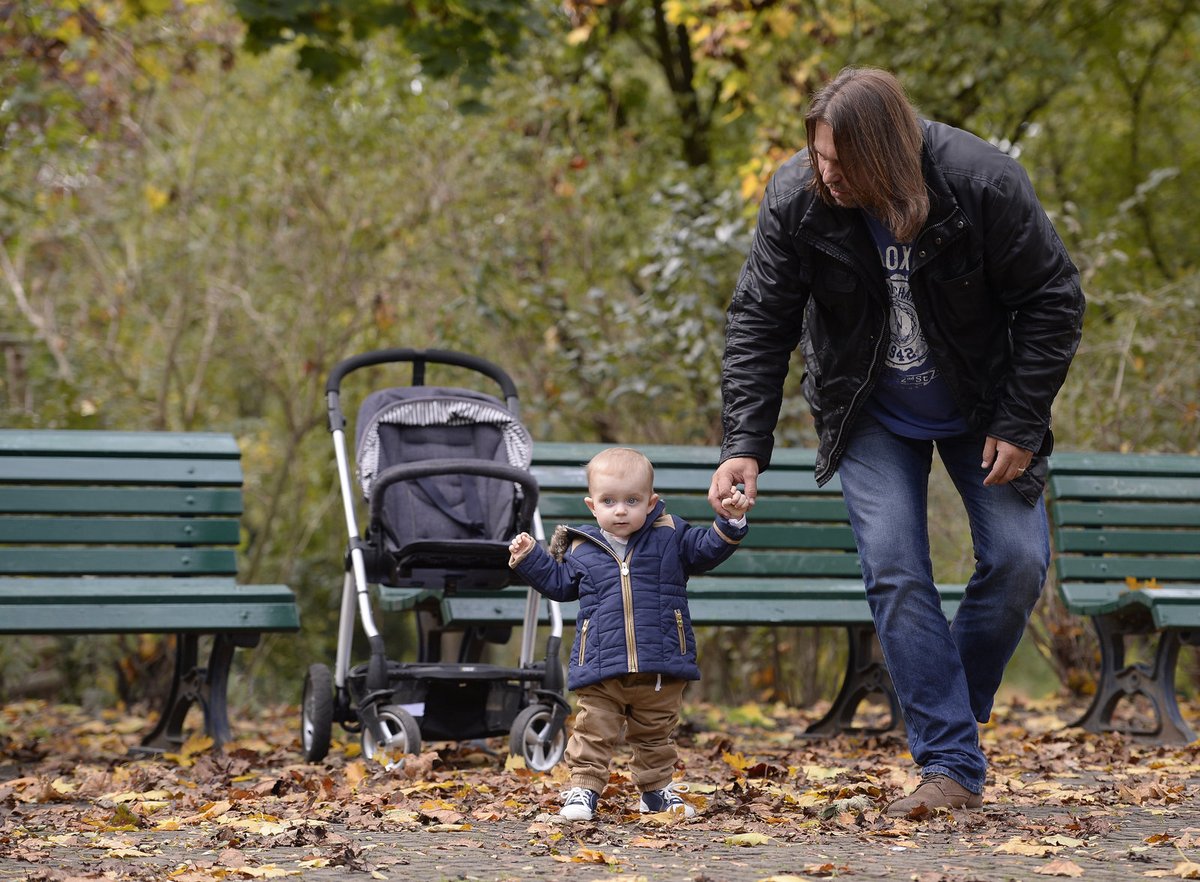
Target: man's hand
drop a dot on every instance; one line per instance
(738, 470)
(1005, 461)
(521, 545)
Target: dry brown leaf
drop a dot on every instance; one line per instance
(1060, 867)
(1016, 845)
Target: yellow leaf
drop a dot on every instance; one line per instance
(215, 809)
(155, 197)
(1131, 583)
(579, 35)
(355, 773)
(784, 878)
(747, 840)
(592, 856)
(821, 773)
(1187, 870)
(515, 763)
(736, 761)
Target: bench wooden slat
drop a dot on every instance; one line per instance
(116, 531)
(790, 563)
(120, 470)
(1142, 542)
(106, 443)
(130, 606)
(121, 500)
(1125, 514)
(1112, 463)
(1126, 487)
(104, 560)
(1120, 569)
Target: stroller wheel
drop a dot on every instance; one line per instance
(526, 738)
(316, 722)
(404, 737)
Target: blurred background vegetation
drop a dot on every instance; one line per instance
(205, 205)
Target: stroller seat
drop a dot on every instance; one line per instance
(442, 470)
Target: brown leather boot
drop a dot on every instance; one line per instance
(936, 792)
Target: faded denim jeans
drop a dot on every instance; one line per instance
(945, 674)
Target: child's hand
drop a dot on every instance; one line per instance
(521, 545)
(737, 502)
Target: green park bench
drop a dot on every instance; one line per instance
(798, 565)
(1127, 553)
(134, 532)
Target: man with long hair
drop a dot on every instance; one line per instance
(936, 308)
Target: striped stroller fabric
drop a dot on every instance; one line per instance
(433, 406)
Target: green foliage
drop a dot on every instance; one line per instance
(463, 38)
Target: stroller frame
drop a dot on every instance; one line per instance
(385, 700)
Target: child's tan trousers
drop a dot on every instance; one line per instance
(650, 716)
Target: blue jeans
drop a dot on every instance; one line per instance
(946, 675)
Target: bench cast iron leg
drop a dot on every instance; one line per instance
(866, 674)
(1119, 681)
(193, 684)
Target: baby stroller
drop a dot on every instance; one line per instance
(445, 476)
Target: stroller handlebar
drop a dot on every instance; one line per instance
(430, 467)
(419, 359)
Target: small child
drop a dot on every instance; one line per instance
(634, 648)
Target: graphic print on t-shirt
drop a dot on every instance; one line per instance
(911, 398)
(908, 349)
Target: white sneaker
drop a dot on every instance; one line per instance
(666, 800)
(579, 804)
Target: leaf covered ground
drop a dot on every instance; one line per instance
(1060, 802)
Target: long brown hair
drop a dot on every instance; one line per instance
(878, 139)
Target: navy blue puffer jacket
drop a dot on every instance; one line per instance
(633, 614)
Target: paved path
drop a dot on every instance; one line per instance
(1118, 843)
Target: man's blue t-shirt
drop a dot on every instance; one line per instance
(911, 398)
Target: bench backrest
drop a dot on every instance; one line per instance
(98, 503)
(799, 529)
(1129, 520)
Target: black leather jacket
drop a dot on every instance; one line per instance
(997, 296)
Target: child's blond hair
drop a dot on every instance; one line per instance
(622, 459)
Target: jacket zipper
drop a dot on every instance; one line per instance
(627, 601)
(583, 641)
(839, 443)
(679, 628)
(631, 654)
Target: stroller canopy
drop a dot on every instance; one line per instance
(417, 423)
